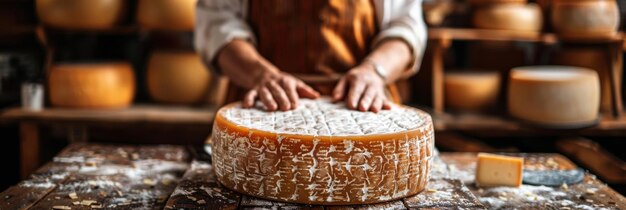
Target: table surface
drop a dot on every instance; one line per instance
(87, 176)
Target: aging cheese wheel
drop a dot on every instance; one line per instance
(585, 19)
(177, 77)
(556, 96)
(102, 85)
(492, 2)
(81, 14)
(323, 153)
(167, 14)
(516, 17)
(471, 90)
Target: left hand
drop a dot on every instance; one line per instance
(365, 89)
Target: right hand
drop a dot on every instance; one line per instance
(278, 90)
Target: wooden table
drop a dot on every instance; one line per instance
(85, 176)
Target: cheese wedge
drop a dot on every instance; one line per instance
(499, 170)
(323, 153)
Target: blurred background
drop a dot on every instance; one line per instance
(124, 71)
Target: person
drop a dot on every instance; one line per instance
(266, 47)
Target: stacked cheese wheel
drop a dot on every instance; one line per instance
(81, 14)
(585, 19)
(471, 90)
(513, 15)
(323, 153)
(554, 96)
(95, 85)
(177, 77)
(167, 14)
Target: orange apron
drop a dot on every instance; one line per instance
(314, 40)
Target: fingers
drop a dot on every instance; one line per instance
(354, 94)
(367, 98)
(267, 99)
(386, 105)
(377, 104)
(249, 98)
(306, 91)
(280, 96)
(339, 90)
(290, 87)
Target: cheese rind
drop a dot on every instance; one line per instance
(499, 170)
(514, 17)
(333, 169)
(471, 91)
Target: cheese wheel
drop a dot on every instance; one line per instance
(101, 85)
(499, 170)
(492, 2)
(177, 77)
(516, 17)
(323, 153)
(555, 96)
(585, 19)
(81, 14)
(167, 14)
(471, 91)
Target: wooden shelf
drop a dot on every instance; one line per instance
(501, 126)
(135, 114)
(473, 34)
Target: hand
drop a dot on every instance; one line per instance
(278, 90)
(366, 89)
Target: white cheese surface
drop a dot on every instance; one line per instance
(321, 117)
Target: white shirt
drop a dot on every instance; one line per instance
(220, 21)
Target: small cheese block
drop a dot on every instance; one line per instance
(471, 90)
(323, 153)
(514, 17)
(554, 96)
(499, 170)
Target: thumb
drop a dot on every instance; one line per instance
(306, 91)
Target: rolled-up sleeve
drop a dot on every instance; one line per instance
(218, 22)
(402, 19)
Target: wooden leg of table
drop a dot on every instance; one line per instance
(29, 148)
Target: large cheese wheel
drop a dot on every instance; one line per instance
(101, 85)
(585, 19)
(323, 153)
(177, 77)
(81, 14)
(167, 14)
(471, 90)
(555, 96)
(517, 17)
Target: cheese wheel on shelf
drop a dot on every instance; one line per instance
(167, 14)
(177, 77)
(323, 153)
(515, 17)
(585, 19)
(554, 96)
(81, 14)
(472, 91)
(492, 2)
(97, 85)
